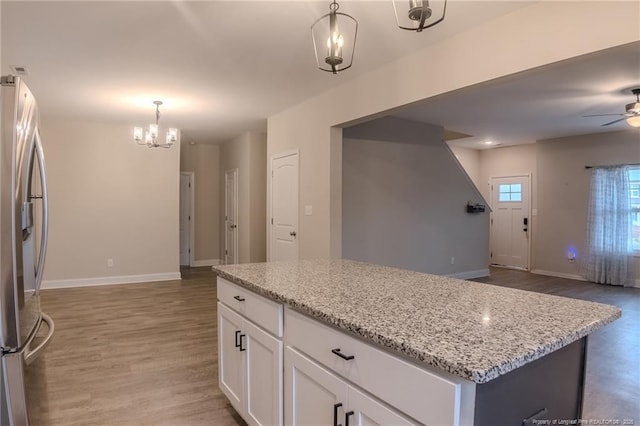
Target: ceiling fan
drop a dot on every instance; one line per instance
(632, 112)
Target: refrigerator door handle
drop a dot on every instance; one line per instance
(32, 354)
(45, 212)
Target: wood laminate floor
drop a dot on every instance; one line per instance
(135, 354)
(146, 354)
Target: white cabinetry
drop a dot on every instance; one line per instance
(250, 357)
(317, 396)
(381, 387)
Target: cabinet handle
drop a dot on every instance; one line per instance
(238, 343)
(241, 348)
(239, 299)
(341, 355)
(335, 413)
(346, 417)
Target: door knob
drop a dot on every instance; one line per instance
(233, 226)
(293, 233)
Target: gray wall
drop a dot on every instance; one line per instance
(563, 191)
(247, 153)
(204, 161)
(404, 197)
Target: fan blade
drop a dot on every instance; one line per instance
(614, 121)
(603, 115)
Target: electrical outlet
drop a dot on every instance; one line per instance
(109, 263)
(453, 260)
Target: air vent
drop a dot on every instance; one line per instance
(20, 70)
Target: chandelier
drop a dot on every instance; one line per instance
(150, 138)
(418, 15)
(334, 40)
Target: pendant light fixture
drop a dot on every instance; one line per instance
(151, 136)
(418, 15)
(334, 40)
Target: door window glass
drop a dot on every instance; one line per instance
(510, 192)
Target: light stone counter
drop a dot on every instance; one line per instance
(475, 331)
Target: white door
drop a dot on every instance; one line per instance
(186, 200)
(366, 411)
(231, 216)
(230, 341)
(284, 207)
(263, 368)
(313, 395)
(510, 221)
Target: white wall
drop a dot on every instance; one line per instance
(204, 161)
(540, 34)
(109, 198)
(404, 201)
(247, 153)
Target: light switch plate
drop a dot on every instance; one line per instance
(308, 210)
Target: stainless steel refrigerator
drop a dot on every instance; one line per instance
(23, 245)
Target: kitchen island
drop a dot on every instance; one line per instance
(365, 341)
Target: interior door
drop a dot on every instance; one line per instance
(185, 219)
(231, 216)
(284, 207)
(313, 395)
(510, 221)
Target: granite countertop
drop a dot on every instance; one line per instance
(472, 330)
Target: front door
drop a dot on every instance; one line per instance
(284, 207)
(231, 216)
(510, 221)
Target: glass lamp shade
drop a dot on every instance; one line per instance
(172, 136)
(137, 134)
(634, 121)
(334, 40)
(153, 130)
(418, 15)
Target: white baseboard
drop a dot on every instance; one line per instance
(206, 262)
(558, 274)
(570, 276)
(122, 279)
(468, 275)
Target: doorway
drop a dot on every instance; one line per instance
(284, 206)
(186, 218)
(510, 221)
(231, 216)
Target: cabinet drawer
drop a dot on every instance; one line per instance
(262, 311)
(423, 395)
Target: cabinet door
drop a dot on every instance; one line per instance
(313, 395)
(366, 411)
(230, 370)
(263, 377)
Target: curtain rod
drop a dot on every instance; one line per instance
(614, 165)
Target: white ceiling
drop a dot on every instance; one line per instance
(223, 67)
(542, 103)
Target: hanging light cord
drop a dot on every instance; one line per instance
(157, 113)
